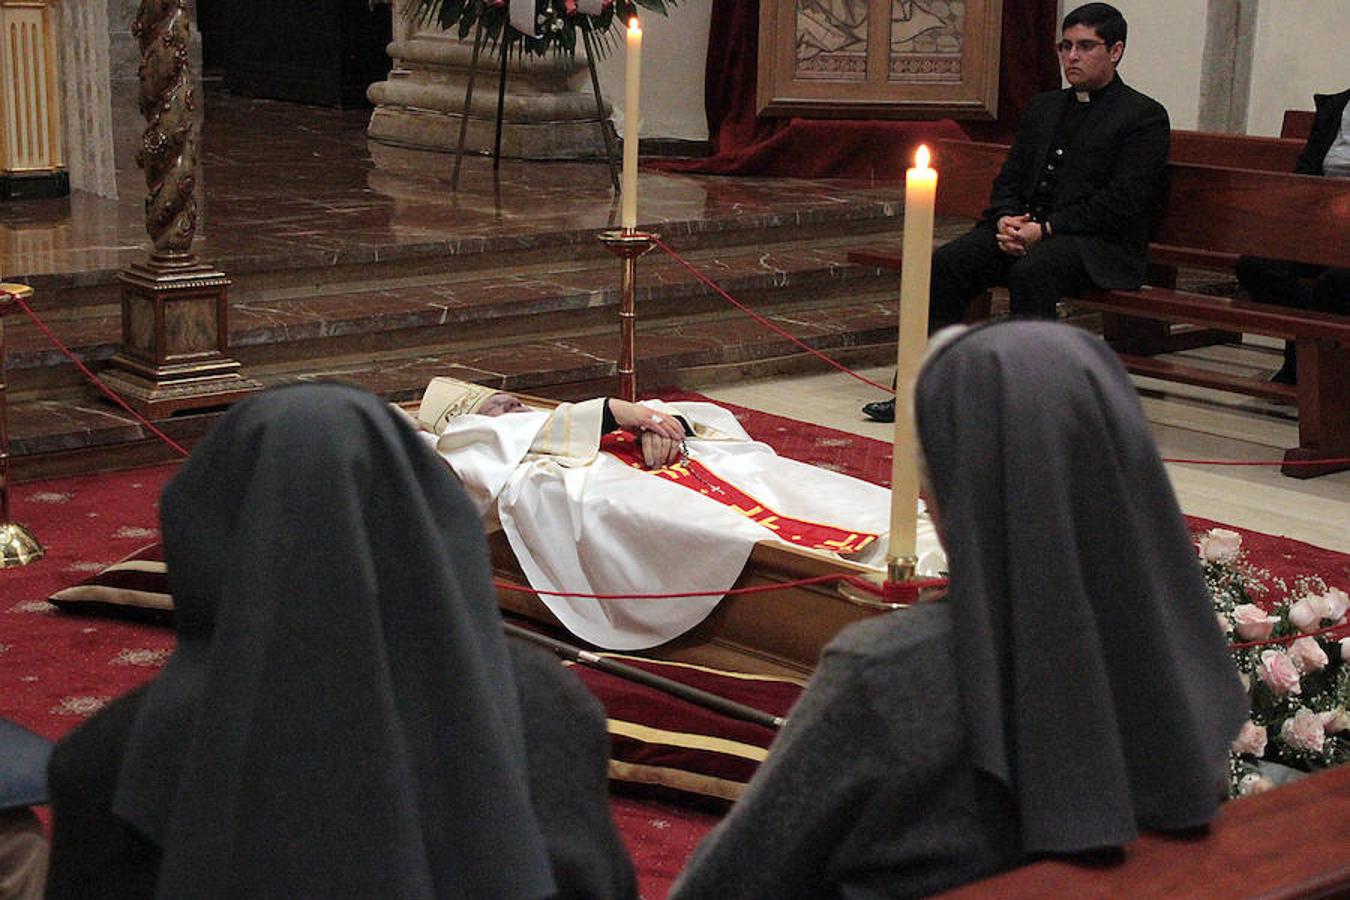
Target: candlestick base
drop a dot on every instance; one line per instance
(901, 568)
(18, 547)
(901, 587)
(875, 594)
(628, 243)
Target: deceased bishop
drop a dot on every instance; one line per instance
(614, 498)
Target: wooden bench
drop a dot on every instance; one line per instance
(1213, 215)
(1297, 124)
(1293, 841)
(1235, 151)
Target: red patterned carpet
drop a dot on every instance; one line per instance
(56, 669)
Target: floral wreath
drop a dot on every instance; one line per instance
(1291, 645)
(556, 21)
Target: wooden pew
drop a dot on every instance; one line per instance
(1297, 124)
(1293, 841)
(1235, 151)
(1216, 214)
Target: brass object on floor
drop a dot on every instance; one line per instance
(628, 244)
(18, 546)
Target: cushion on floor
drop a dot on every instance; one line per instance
(660, 744)
(136, 587)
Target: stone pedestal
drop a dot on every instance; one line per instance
(175, 339)
(549, 110)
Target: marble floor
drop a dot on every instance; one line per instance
(290, 186)
(1188, 423)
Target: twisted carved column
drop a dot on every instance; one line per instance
(175, 313)
(168, 151)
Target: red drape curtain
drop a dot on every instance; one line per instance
(746, 144)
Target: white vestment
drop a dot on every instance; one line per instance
(581, 520)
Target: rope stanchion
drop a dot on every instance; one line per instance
(18, 545)
(94, 379)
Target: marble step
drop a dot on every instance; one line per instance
(469, 310)
(72, 430)
(448, 243)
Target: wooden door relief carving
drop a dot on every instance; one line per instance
(909, 59)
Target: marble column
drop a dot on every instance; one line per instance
(1226, 69)
(87, 109)
(549, 110)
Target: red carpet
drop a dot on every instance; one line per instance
(56, 669)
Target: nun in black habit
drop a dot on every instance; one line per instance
(341, 717)
(1072, 688)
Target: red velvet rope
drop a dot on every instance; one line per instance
(892, 591)
(763, 321)
(1343, 461)
(1290, 638)
(79, 364)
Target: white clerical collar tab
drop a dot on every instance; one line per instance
(1083, 96)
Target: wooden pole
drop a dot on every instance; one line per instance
(715, 702)
(468, 100)
(601, 118)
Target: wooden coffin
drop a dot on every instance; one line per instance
(776, 632)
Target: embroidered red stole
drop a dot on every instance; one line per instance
(695, 476)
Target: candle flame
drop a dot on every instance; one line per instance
(921, 157)
(635, 25)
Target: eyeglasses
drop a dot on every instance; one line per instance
(1083, 47)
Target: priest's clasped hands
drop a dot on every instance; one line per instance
(661, 435)
(1017, 234)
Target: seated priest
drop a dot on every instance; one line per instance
(614, 498)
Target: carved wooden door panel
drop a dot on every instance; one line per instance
(904, 59)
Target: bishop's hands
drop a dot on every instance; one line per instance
(660, 435)
(1017, 234)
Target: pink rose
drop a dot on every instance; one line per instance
(1252, 622)
(1303, 731)
(1307, 655)
(1306, 614)
(1345, 649)
(1254, 784)
(1251, 739)
(1335, 603)
(1335, 721)
(1278, 672)
(1220, 546)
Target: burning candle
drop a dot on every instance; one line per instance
(916, 261)
(632, 92)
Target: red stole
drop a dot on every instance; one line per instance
(695, 476)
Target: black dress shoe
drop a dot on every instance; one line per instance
(880, 410)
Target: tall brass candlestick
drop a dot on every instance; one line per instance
(628, 245)
(920, 193)
(17, 545)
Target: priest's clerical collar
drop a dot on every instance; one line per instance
(1091, 96)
